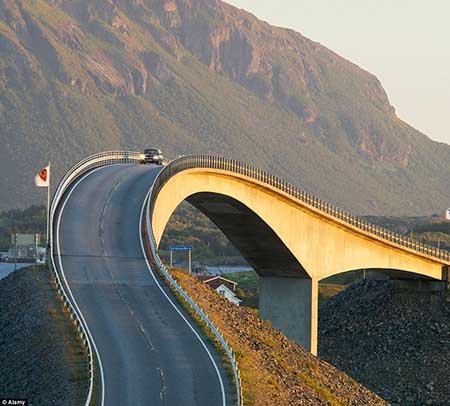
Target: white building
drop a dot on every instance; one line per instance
(222, 286)
(228, 294)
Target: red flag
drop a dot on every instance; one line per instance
(42, 179)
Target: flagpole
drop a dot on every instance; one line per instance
(48, 205)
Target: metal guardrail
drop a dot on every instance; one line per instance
(82, 167)
(231, 165)
(91, 162)
(80, 327)
(200, 312)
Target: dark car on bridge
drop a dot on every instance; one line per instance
(152, 156)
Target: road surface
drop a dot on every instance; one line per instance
(149, 354)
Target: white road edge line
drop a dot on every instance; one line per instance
(68, 287)
(175, 307)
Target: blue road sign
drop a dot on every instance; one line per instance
(180, 247)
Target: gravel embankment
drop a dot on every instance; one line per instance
(41, 356)
(275, 370)
(394, 341)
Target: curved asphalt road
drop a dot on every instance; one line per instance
(149, 355)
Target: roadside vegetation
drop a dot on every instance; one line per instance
(274, 370)
(188, 226)
(31, 220)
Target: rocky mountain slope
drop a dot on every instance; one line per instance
(194, 76)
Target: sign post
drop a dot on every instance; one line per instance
(190, 262)
(181, 248)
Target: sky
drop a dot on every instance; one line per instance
(405, 43)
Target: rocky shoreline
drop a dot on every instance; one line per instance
(41, 356)
(394, 340)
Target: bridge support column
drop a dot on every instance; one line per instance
(291, 305)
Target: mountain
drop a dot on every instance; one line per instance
(200, 76)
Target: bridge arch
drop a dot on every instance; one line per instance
(289, 242)
(322, 245)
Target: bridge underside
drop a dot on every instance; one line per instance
(381, 274)
(254, 239)
(285, 288)
(290, 245)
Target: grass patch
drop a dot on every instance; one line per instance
(245, 280)
(326, 291)
(248, 289)
(75, 353)
(324, 393)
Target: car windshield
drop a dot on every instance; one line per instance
(152, 151)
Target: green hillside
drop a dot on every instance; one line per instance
(28, 221)
(201, 76)
(188, 226)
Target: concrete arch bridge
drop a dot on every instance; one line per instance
(292, 239)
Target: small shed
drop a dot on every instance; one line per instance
(228, 294)
(221, 285)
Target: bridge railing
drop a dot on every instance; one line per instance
(82, 167)
(92, 162)
(231, 165)
(156, 260)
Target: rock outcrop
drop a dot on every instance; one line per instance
(393, 340)
(41, 355)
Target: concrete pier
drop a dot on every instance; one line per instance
(290, 304)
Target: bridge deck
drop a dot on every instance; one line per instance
(149, 354)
